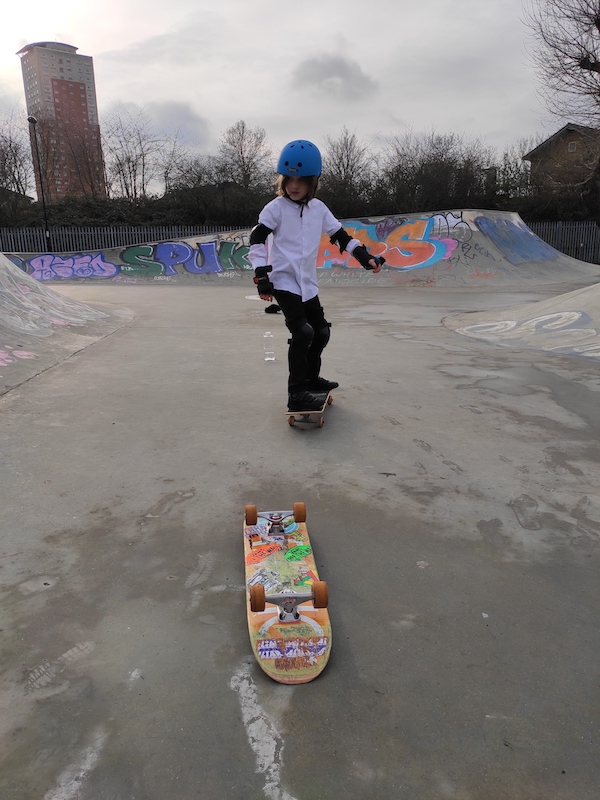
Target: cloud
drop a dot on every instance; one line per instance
(176, 119)
(179, 48)
(11, 102)
(335, 77)
(173, 117)
(187, 42)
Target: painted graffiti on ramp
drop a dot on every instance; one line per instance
(28, 307)
(441, 249)
(568, 324)
(39, 327)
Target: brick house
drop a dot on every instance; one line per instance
(567, 158)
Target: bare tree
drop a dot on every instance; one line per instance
(348, 173)
(566, 54)
(133, 148)
(173, 161)
(346, 160)
(16, 168)
(244, 156)
(512, 174)
(425, 172)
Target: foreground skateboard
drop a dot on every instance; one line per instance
(311, 417)
(288, 620)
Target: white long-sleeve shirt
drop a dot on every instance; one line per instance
(293, 247)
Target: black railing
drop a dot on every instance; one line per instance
(77, 240)
(576, 239)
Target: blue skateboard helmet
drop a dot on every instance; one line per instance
(300, 158)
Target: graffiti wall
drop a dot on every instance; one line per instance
(445, 247)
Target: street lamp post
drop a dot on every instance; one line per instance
(33, 122)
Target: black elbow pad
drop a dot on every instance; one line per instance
(341, 238)
(259, 234)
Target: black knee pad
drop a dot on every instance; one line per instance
(302, 334)
(322, 336)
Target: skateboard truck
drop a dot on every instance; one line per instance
(288, 601)
(275, 518)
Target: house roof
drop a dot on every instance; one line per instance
(590, 133)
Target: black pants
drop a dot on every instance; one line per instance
(310, 334)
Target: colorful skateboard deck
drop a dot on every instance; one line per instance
(288, 622)
(311, 417)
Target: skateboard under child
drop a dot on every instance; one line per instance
(314, 417)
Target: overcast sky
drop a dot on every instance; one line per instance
(298, 69)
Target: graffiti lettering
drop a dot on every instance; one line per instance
(473, 252)
(451, 226)
(516, 242)
(172, 254)
(309, 647)
(139, 261)
(234, 256)
(406, 246)
(49, 267)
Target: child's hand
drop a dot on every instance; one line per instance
(375, 265)
(268, 297)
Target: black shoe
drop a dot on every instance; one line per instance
(304, 401)
(272, 309)
(321, 385)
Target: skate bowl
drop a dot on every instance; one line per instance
(40, 327)
(460, 248)
(568, 324)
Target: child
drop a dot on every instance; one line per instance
(287, 270)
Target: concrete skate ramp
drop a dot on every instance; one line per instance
(568, 324)
(443, 249)
(39, 327)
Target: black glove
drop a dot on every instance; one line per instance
(362, 255)
(262, 281)
(378, 260)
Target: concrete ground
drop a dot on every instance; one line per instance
(454, 510)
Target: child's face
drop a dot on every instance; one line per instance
(297, 188)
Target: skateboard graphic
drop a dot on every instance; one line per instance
(311, 417)
(288, 622)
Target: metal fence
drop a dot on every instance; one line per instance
(76, 240)
(577, 239)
